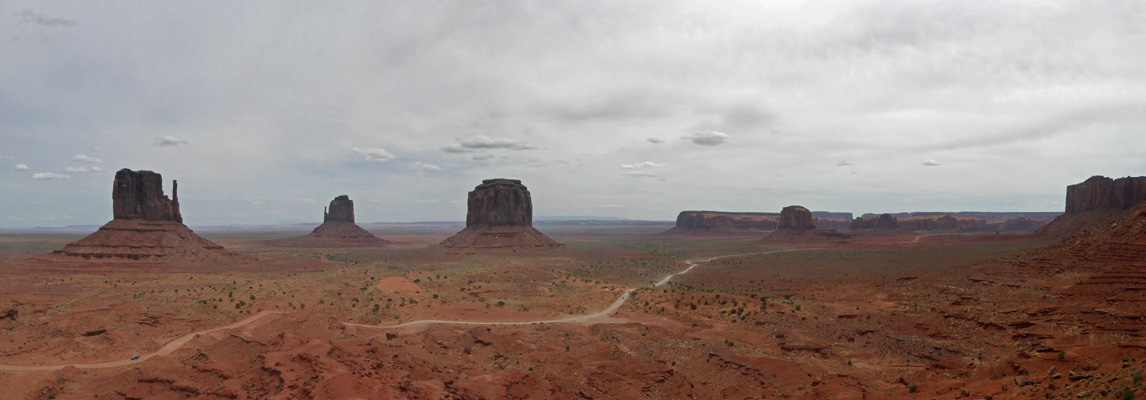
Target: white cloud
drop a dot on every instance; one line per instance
(843, 163)
(643, 165)
(21, 167)
(167, 141)
(655, 140)
(80, 170)
(639, 174)
(931, 163)
(707, 138)
(87, 159)
(309, 201)
(374, 154)
(50, 175)
(421, 166)
(482, 142)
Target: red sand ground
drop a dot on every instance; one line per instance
(935, 317)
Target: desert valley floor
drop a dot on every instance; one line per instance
(899, 315)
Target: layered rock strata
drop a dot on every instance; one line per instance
(1102, 192)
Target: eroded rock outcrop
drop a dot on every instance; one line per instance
(882, 222)
(146, 228)
(1017, 225)
(1102, 192)
(796, 217)
(499, 217)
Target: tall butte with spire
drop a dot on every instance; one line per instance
(338, 228)
(146, 228)
(499, 218)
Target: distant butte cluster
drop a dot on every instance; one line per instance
(146, 227)
(499, 218)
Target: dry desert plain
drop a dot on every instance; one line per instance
(882, 316)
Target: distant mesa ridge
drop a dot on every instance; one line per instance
(703, 222)
(882, 222)
(499, 217)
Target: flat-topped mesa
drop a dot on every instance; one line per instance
(499, 217)
(139, 195)
(882, 222)
(499, 202)
(796, 217)
(341, 209)
(1102, 192)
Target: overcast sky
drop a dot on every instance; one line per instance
(265, 111)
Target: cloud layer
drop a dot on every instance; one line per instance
(747, 106)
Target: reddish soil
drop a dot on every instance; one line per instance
(870, 317)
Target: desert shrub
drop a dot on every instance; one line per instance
(912, 388)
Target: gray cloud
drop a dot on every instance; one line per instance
(654, 140)
(931, 163)
(41, 19)
(707, 138)
(844, 164)
(169, 141)
(374, 154)
(482, 157)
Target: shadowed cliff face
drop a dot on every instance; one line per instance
(139, 195)
(500, 202)
(341, 210)
(796, 217)
(1102, 192)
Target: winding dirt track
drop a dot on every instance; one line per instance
(179, 342)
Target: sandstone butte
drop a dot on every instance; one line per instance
(721, 222)
(146, 228)
(796, 217)
(338, 228)
(1095, 200)
(499, 217)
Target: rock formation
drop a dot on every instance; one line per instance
(146, 228)
(796, 217)
(341, 209)
(499, 217)
(139, 195)
(1102, 192)
(882, 222)
(1019, 225)
(944, 222)
(718, 222)
(337, 230)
